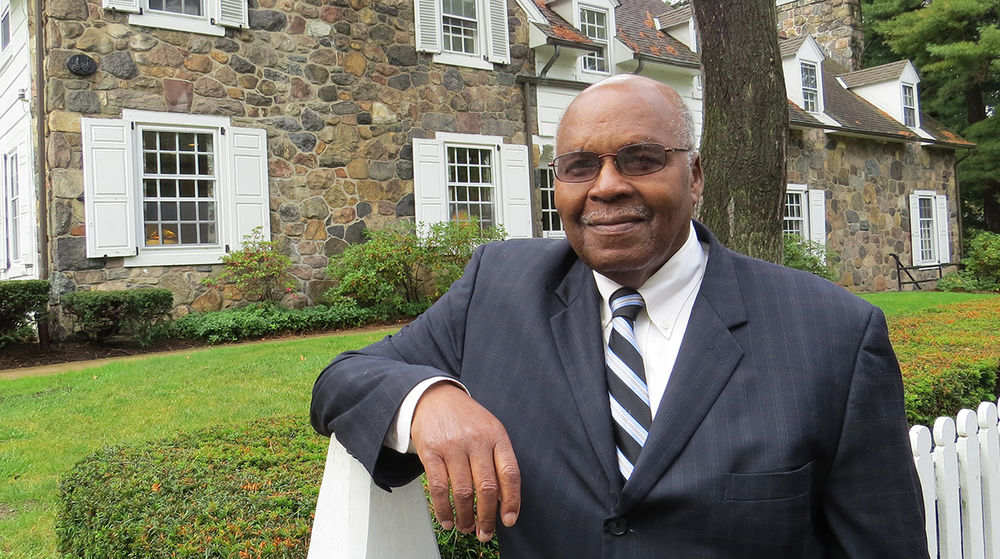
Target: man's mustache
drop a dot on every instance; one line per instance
(619, 214)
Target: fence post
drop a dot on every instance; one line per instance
(920, 445)
(355, 519)
(989, 450)
(946, 481)
(970, 481)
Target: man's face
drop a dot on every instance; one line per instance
(626, 227)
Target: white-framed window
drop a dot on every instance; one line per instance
(805, 213)
(472, 33)
(930, 229)
(810, 87)
(207, 17)
(14, 225)
(909, 105)
(466, 176)
(172, 189)
(551, 223)
(459, 26)
(594, 24)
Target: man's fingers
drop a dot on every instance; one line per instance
(509, 476)
(439, 489)
(463, 491)
(487, 494)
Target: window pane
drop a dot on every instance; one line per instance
(469, 186)
(168, 211)
(168, 188)
(179, 188)
(189, 211)
(189, 234)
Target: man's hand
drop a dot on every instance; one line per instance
(463, 445)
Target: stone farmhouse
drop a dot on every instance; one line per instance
(142, 139)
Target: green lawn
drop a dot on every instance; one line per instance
(908, 302)
(48, 423)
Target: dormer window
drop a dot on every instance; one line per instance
(810, 88)
(909, 106)
(594, 24)
(459, 26)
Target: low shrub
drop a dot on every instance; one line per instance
(22, 302)
(949, 356)
(257, 269)
(980, 267)
(241, 492)
(398, 270)
(806, 255)
(100, 315)
(259, 320)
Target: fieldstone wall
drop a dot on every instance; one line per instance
(867, 187)
(337, 84)
(835, 24)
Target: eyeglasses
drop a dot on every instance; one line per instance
(633, 160)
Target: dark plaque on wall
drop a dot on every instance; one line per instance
(81, 65)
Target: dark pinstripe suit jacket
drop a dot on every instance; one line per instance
(781, 433)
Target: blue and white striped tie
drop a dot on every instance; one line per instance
(627, 380)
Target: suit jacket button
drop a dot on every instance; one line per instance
(616, 526)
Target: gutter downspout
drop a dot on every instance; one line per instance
(958, 198)
(529, 142)
(41, 191)
(555, 56)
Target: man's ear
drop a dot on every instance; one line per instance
(697, 179)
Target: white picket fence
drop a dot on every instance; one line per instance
(959, 469)
(958, 465)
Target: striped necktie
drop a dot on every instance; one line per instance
(627, 380)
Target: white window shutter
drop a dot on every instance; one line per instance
(430, 189)
(248, 176)
(498, 46)
(516, 195)
(942, 223)
(109, 190)
(231, 13)
(122, 5)
(915, 230)
(427, 22)
(817, 216)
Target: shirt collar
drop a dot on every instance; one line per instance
(666, 291)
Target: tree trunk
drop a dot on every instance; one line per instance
(746, 125)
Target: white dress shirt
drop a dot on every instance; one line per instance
(669, 295)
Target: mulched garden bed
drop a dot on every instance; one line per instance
(16, 356)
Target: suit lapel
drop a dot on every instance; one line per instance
(708, 356)
(577, 331)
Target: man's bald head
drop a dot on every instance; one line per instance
(660, 98)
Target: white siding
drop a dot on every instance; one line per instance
(16, 136)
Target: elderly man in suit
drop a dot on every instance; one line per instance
(638, 391)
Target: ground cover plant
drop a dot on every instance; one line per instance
(949, 357)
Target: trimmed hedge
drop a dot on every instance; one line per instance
(949, 356)
(246, 492)
(242, 492)
(19, 300)
(259, 320)
(100, 315)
